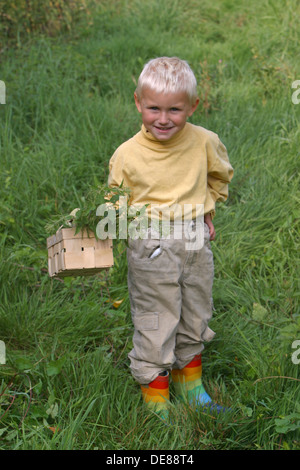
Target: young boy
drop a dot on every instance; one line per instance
(172, 164)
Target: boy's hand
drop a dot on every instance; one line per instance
(208, 221)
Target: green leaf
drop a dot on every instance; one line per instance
(38, 412)
(53, 410)
(55, 367)
(2, 431)
(22, 363)
(288, 423)
(259, 313)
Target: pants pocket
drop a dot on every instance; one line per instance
(146, 321)
(146, 337)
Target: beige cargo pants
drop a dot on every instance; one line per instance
(170, 290)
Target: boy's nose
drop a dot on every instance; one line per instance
(163, 118)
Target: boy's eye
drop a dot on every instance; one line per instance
(175, 109)
(154, 108)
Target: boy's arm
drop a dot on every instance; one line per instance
(115, 176)
(219, 175)
(208, 221)
(219, 170)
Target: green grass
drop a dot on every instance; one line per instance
(69, 104)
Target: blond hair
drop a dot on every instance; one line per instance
(168, 75)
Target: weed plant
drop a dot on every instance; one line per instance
(66, 383)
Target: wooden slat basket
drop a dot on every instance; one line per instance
(77, 255)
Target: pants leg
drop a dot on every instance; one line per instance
(155, 297)
(196, 306)
(170, 304)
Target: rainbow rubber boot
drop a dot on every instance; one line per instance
(189, 387)
(156, 395)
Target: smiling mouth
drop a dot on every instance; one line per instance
(163, 129)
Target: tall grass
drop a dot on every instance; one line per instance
(67, 384)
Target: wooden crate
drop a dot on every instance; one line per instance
(77, 255)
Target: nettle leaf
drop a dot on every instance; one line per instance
(22, 363)
(114, 198)
(37, 411)
(55, 367)
(288, 423)
(86, 218)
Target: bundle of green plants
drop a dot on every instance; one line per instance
(101, 204)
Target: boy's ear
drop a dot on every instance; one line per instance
(137, 103)
(193, 107)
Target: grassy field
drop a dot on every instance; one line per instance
(66, 383)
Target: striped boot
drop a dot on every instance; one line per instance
(156, 395)
(188, 385)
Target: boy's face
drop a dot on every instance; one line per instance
(164, 115)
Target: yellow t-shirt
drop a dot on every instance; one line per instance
(186, 172)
